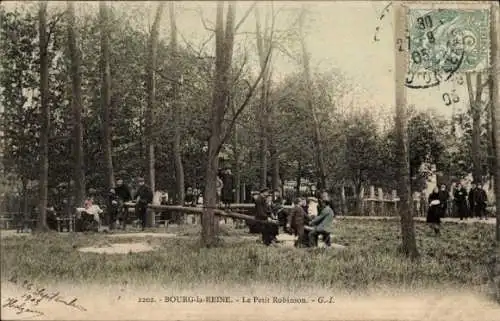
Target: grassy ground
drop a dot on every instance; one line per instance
(457, 258)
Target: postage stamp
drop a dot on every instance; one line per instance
(443, 42)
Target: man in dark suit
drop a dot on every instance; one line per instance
(471, 199)
(263, 214)
(123, 194)
(143, 197)
(227, 188)
(480, 200)
(460, 197)
(444, 196)
(296, 221)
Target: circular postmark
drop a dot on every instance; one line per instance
(436, 47)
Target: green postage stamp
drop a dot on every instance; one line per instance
(442, 42)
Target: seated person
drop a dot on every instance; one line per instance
(113, 208)
(88, 216)
(280, 211)
(322, 224)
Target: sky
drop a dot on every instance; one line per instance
(340, 36)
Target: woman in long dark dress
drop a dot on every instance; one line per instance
(434, 212)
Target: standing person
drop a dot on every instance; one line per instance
(219, 185)
(143, 198)
(460, 196)
(296, 221)
(165, 215)
(472, 199)
(227, 188)
(263, 213)
(480, 199)
(113, 208)
(434, 211)
(189, 198)
(322, 224)
(444, 197)
(123, 193)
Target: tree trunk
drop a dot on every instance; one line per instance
(495, 108)
(151, 89)
(76, 100)
(224, 41)
(475, 110)
(409, 245)
(25, 198)
(106, 94)
(177, 111)
(317, 132)
(263, 110)
(237, 167)
(45, 118)
(275, 163)
(298, 178)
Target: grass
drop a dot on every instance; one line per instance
(457, 258)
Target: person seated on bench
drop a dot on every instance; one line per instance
(88, 216)
(322, 224)
(113, 208)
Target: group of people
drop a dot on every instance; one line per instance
(270, 215)
(115, 205)
(466, 204)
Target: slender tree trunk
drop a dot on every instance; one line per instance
(263, 110)
(25, 197)
(317, 132)
(409, 245)
(177, 111)
(475, 110)
(76, 100)
(151, 88)
(224, 41)
(237, 167)
(298, 178)
(106, 94)
(495, 107)
(275, 162)
(45, 118)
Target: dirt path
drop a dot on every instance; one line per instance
(95, 302)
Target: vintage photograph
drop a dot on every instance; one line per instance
(249, 160)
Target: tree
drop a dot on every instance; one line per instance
(409, 244)
(263, 46)
(219, 130)
(361, 151)
(45, 116)
(176, 108)
(494, 105)
(476, 107)
(76, 99)
(151, 91)
(106, 94)
(20, 73)
(317, 132)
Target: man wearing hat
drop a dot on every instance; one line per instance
(323, 223)
(263, 213)
(143, 198)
